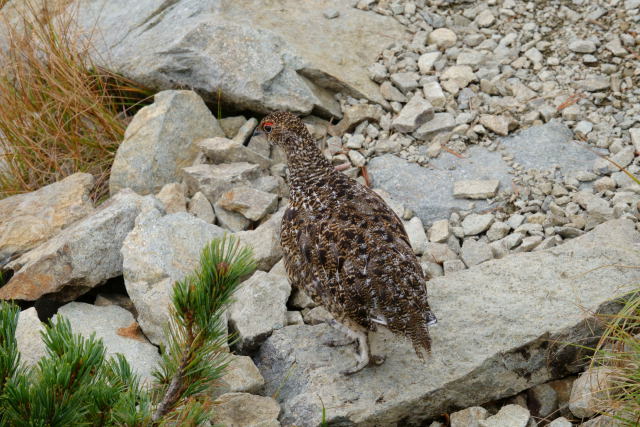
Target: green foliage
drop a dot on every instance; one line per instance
(76, 384)
(619, 350)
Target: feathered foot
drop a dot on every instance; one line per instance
(363, 356)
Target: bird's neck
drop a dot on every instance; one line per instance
(308, 169)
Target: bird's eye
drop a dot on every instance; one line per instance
(268, 127)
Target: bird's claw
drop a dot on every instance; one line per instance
(339, 341)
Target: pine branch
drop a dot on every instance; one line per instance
(195, 354)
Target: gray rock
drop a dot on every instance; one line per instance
(475, 189)
(474, 252)
(498, 124)
(223, 150)
(587, 390)
(160, 141)
(200, 207)
(475, 223)
(406, 81)
(259, 307)
(232, 221)
(354, 115)
(231, 125)
(453, 265)
(595, 84)
(417, 236)
(246, 410)
(635, 138)
(413, 115)
(439, 231)
(434, 94)
(265, 241)
(438, 253)
(29, 219)
(81, 256)
(426, 61)
(508, 416)
(440, 122)
(258, 57)
(213, 180)
(30, 344)
(159, 251)
(582, 46)
(471, 362)
(391, 93)
(623, 158)
(560, 422)
(119, 332)
(294, 318)
(462, 75)
(251, 203)
(497, 231)
(241, 376)
(173, 198)
(529, 243)
(543, 400)
(246, 131)
(469, 417)
(442, 38)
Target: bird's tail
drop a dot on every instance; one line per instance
(419, 332)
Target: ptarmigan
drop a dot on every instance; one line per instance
(346, 248)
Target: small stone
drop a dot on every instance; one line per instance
(316, 315)
(172, 197)
(391, 93)
(453, 265)
(438, 253)
(331, 13)
(265, 241)
(417, 236)
(223, 150)
(353, 115)
(583, 127)
(231, 125)
(544, 399)
(475, 189)
(441, 122)
(606, 183)
(462, 75)
(245, 132)
(426, 61)
(560, 422)
(595, 84)
(230, 220)
(434, 94)
(200, 207)
(534, 55)
(443, 38)
(635, 138)
(474, 252)
(590, 386)
(615, 47)
(354, 142)
(497, 231)
(508, 416)
(468, 417)
(439, 231)
(475, 223)
(241, 375)
(357, 159)
(251, 203)
(515, 221)
(214, 180)
(498, 124)
(406, 82)
(416, 112)
(299, 299)
(582, 46)
(294, 318)
(377, 72)
(485, 19)
(29, 340)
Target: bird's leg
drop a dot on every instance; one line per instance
(346, 338)
(360, 337)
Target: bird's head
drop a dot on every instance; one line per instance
(284, 129)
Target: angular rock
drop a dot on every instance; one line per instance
(246, 410)
(453, 265)
(246, 131)
(417, 236)
(469, 417)
(160, 141)
(595, 84)
(213, 180)
(241, 376)
(472, 362)
(354, 115)
(426, 61)
(232, 221)
(416, 112)
(475, 189)
(406, 82)
(443, 38)
(81, 256)
(200, 207)
(439, 231)
(582, 46)
(440, 122)
(474, 252)
(587, 390)
(119, 332)
(438, 253)
(231, 125)
(391, 93)
(543, 400)
(251, 203)
(265, 241)
(30, 344)
(475, 224)
(27, 220)
(498, 124)
(159, 251)
(462, 75)
(497, 231)
(173, 198)
(223, 150)
(508, 416)
(560, 422)
(434, 94)
(259, 308)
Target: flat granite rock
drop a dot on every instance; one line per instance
(429, 191)
(503, 328)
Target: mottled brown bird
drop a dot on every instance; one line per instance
(346, 248)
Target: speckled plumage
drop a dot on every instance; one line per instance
(344, 246)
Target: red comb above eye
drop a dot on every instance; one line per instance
(267, 124)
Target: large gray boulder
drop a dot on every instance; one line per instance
(159, 251)
(261, 56)
(118, 331)
(27, 220)
(538, 147)
(504, 326)
(81, 256)
(160, 141)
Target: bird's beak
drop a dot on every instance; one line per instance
(258, 132)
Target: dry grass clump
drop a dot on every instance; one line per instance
(619, 350)
(59, 114)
